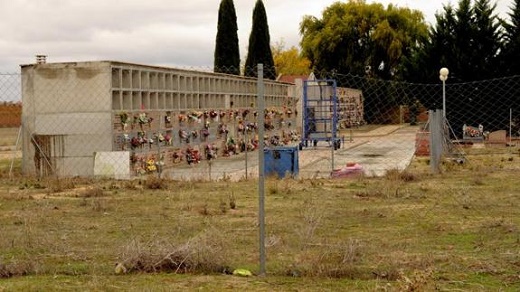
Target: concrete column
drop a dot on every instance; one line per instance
(436, 139)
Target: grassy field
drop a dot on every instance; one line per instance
(407, 231)
(8, 136)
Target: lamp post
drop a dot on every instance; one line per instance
(443, 76)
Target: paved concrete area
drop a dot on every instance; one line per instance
(379, 150)
(382, 152)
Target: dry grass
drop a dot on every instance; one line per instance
(15, 269)
(91, 192)
(8, 136)
(204, 253)
(155, 183)
(407, 231)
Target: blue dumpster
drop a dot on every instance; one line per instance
(281, 161)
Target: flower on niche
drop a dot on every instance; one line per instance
(205, 132)
(222, 128)
(124, 120)
(150, 165)
(182, 118)
(241, 127)
(194, 117)
(160, 137)
(133, 158)
(168, 139)
(135, 142)
(142, 118)
(183, 134)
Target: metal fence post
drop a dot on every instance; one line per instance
(247, 143)
(436, 139)
(261, 176)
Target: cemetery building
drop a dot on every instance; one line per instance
(122, 119)
(71, 111)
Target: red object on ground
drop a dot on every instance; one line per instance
(422, 144)
(349, 170)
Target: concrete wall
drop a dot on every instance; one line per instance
(71, 101)
(72, 110)
(350, 107)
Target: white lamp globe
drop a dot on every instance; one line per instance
(444, 72)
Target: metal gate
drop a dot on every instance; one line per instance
(48, 149)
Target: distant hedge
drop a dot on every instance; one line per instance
(10, 115)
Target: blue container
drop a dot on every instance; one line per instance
(281, 161)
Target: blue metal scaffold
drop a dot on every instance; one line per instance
(320, 116)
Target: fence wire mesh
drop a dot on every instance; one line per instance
(10, 99)
(132, 121)
(190, 123)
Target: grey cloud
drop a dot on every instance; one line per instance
(77, 20)
(156, 32)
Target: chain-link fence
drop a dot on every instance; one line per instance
(405, 231)
(10, 100)
(127, 120)
(494, 104)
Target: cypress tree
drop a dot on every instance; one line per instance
(227, 55)
(461, 63)
(488, 40)
(259, 50)
(509, 57)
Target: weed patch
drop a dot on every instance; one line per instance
(155, 183)
(204, 253)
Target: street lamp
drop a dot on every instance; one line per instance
(443, 76)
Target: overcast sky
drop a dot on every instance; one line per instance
(156, 32)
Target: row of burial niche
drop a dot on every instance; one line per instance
(166, 138)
